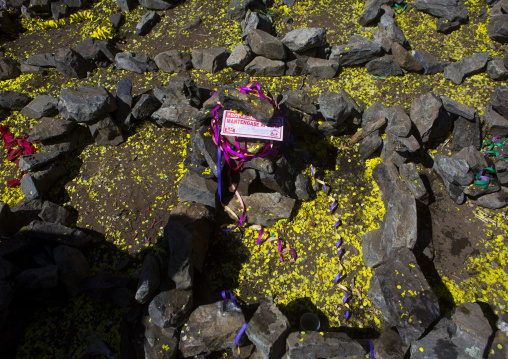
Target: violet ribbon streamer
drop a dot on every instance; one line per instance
(337, 278)
(371, 349)
(239, 336)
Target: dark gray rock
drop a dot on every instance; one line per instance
(13, 100)
(266, 45)
(6, 269)
(474, 158)
(372, 251)
(171, 308)
(147, 22)
(52, 212)
(409, 174)
(196, 162)
(262, 164)
(8, 222)
(463, 333)
(264, 67)
(282, 180)
(194, 188)
(303, 188)
(297, 67)
(183, 87)
(137, 62)
(96, 50)
(55, 233)
(253, 21)
(505, 60)
(322, 68)
(405, 59)
(232, 99)
(338, 107)
(451, 10)
(389, 32)
(498, 125)
(466, 66)
(387, 178)
(237, 9)
(9, 69)
(39, 159)
(168, 116)
(501, 172)
(149, 279)
(458, 109)
(466, 133)
(502, 323)
(173, 61)
(36, 184)
(369, 144)
(159, 343)
(123, 101)
(389, 345)
(371, 13)
(42, 60)
(116, 19)
(45, 277)
(204, 143)
(496, 69)
(399, 123)
(494, 200)
(475, 190)
(5, 21)
(50, 127)
(268, 329)
(86, 104)
(499, 347)
(145, 107)
(40, 106)
(74, 3)
(499, 7)
(157, 4)
(246, 177)
(105, 131)
(303, 39)
(300, 100)
(211, 328)
(370, 127)
(72, 266)
(39, 7)
(240, 57)
(499, 101)
(446, 27)
(108, 287)
(385, 66)
(359, 51)
(210, 60)
(429, 117)
(497, 29)
(399, 222)
(126, 5)
(414, 306)
(70, 63)
(456, 171)
(431, 65)
(29, 69)
(264, 208)
(314, 345)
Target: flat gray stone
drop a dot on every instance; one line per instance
(466, 66)
(264, 67)
(168, 116)
(303, 39)
(173, 61)
(72, 266)
(240, 57)
(451, 10)
(137, 62)
(40, 106)
(149, 279)
(458, 109)
(50, 127)
(322, 68)
(86, 103)
(314, 345)
(194, 188)
(359, 51)
(170, 308)
(210, 60)
(266, 45)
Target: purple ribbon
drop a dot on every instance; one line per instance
(231, 296)
(239, 336)
(345, 298)
(312, 170)
(348, 313)
(337, 278)
(371, 349)
(339, 242)
(332, 207)
(339, 252)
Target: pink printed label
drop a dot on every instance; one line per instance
(235, 124)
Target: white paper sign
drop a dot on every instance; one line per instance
(235, 124)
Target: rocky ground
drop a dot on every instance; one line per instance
(119, 185)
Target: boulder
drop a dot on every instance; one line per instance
(451, 10)
(389, 345)
(145, 107)
(303, 39)
(266, 45)
(389, 32)
(466, 133)
(105, 131)
(147, 22)
(126, 5)
(314, 345)
(496, 69)
(474, 158)
(371, 13)
(86, 104)
(158, 4)
(49, 128)
(170, 309)
(149, 279)
(253, 21)
(41, 60)
(399, 290)
(168, 116)
(123, 99)
(498, 125)
(210, 60)
(9, 69)
(137, 62)
(116, 19)
(268, 329)
(96, 50)
(72, 266)
(456, 171)
(466, 66)
(70, 63)
(29, 69)
(387, 178)
(385, 66)
(359, 51)
(458, 109)
(194, 188)
(13, 100)
(52, 212)
(409, 174)
(204, 143)
(494, 200)
(322, 68)
(499, 101)
(173, 61)
(499, 347)
(405, 59)
(8, 222)
(264, 208)
(184, 88)
(211, 328)
(297, 67)
(338, 107)
(429, 117)
(37, 278)
(237, 9)
(445, 27)
(57, 234)
(240, 57)
(497, 29)
(463, 333)
(39, 159)
(431, 65)
(264, 67)
(40, 106)
(369, 144)
(281, 180)
(36, 184)
(159, 343)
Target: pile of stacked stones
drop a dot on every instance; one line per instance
(269, 185)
